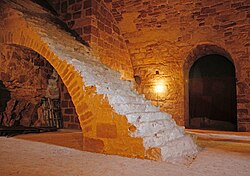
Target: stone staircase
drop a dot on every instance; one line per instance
(157, 129)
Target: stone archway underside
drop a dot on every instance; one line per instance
(204, 50)
(114, 119)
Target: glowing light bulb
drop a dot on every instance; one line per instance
(160, 87)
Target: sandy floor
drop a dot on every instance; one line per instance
(24, 158)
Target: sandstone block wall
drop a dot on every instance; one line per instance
(94, 112)
(24, 72)
(25, 75)
(29, 78)
(114, 119)
(68, 111)
(161, 36)
(94, 22)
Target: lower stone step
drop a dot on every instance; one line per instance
(178, 150)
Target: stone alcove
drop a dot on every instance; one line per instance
(201, 51)
(212, 94)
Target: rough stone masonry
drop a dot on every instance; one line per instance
(114, 118)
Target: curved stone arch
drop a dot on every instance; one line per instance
(196, 53)
(89, 105)
(17, 38)
(82, 96)
(203, 50)
(32, 42)
(114, 118)
(61, 67)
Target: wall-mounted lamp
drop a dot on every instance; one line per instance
(159, 88)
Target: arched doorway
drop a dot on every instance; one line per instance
(212, 94)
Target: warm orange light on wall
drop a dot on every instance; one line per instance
(160, 87)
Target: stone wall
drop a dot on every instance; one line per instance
(94, 22)
(29, 78)
(70, 117)
(114, 119)
(161, 35)
(25, 75)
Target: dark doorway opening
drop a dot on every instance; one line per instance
(212, 94)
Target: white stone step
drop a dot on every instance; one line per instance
(164, 135)
(119, 99)
(177, 149)
(126, 109)
(148, 117)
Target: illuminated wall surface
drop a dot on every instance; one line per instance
(167, 37)
(154, 42)
(164, 38)
(114, 118)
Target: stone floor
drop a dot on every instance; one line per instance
(58, 153)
